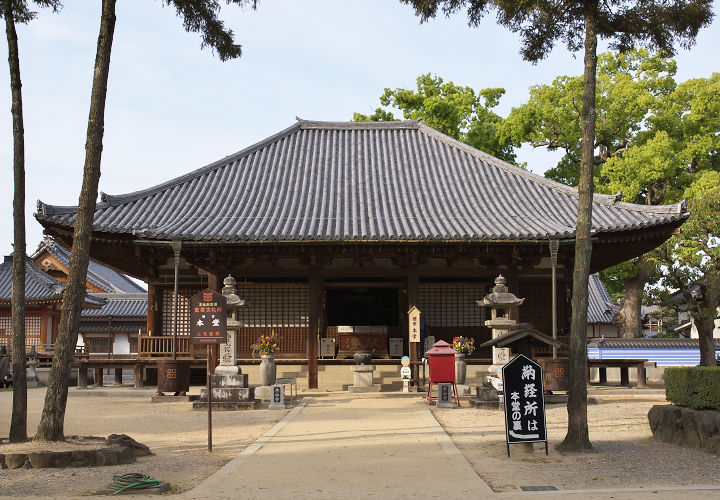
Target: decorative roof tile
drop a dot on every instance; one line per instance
(101, 276)
(39, 286)
(359, 181)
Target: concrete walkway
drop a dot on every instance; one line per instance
(349, 446)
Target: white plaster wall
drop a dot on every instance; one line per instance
(716, 330)
(121, 345)
(597, 331)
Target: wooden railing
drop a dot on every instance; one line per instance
(45, 353)
(161, 346)
(292, 340)
(546, 351)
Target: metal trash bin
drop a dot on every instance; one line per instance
(555, 374)
(173, 375)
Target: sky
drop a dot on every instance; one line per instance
(172, 107)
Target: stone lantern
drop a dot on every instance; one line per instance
(228, 352)
(31, 379)
(503, 306)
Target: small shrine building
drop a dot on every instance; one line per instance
(337, 229)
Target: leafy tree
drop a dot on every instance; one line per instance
(541, 23)
(630, 85)
(691, 261)
(198, 16)
(17, 11)
(678, 143)
(453, 110)
(652, 138)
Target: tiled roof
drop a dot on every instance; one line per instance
(350, 181)
(115, 327)
(600, 308)
(648, 343)
(119, 305)
(39, 286)
(101, 276)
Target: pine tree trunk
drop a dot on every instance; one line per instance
(629, 318)
(53, 415)
(18, 424)
(577, 437)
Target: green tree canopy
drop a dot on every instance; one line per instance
(629, 87)
(457, 111)
(690, 261)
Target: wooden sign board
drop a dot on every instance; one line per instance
(414, 324)
(524, 402)
(208, 318)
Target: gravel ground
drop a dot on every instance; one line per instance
(173, 431)
(624, 453)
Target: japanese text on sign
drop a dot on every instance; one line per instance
(414, 324)
(524, 404)
(208, 318)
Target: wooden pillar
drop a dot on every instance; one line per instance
(82, 376)
(152, 324)
(413, 286)
(55, 326)
(139, 369)
(43, 327)
(118, 376)
(98, 377)
(313, 315)
(213, 282)
(641, 376)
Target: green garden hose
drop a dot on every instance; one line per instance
(133, 482)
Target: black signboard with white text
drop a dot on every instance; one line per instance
(524, 402)
(208, 318)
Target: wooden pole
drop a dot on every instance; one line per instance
(209, 396)
(176, 247)
(313, 290)
(554, 245)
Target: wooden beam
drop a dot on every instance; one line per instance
(43, 326)
(314, 316)
(153, 323)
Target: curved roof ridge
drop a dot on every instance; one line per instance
(120, 296)
(607, 199)
(44, 209)
(352, 125)
(110, 200)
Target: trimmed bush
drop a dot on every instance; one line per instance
(696, 387)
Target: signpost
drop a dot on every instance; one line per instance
(414, 339)
(524, 402)
(414, 322)
(208, 325)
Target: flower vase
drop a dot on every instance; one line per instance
(460, 368)
(268, 369)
